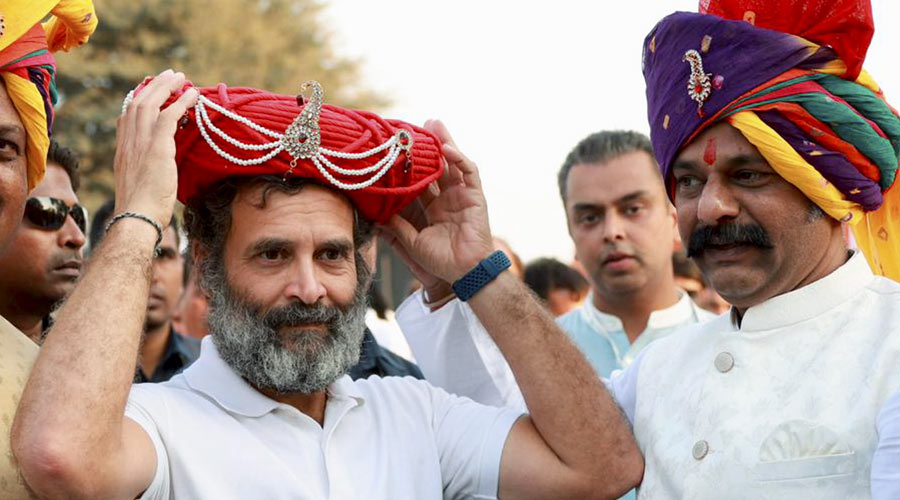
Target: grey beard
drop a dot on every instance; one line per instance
(302, 361)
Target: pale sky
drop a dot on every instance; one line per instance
(520, 83)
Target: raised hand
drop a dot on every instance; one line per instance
(457, 235)
(145, 171)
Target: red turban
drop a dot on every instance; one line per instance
(397, 160)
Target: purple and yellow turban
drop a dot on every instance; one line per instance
(28, 68)
(788, 75)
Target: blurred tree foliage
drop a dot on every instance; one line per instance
(270, 44)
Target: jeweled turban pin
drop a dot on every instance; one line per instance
(301, 140)
(699, 85)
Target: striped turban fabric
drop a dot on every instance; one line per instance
(788, 75)
(28, 68)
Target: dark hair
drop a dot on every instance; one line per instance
(207, 216)
(187, 263)
(101, 218)
(98, 223)
(601, 147)
(173, 223)
(67, 159)
(546, 274)
(377, 301)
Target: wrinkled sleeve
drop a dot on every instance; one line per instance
(141, 407)
(470, 438)
(456, 353)
(622, 384)
(886, 461)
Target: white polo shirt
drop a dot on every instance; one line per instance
(393, 438)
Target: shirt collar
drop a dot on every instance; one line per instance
(809, 301)
(674, 315)
(213, 377)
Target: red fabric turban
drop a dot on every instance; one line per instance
(343, 132)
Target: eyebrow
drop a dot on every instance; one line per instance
(623, 199)
(12, 131)
(266, 244)
(747, 159)
(580, 207)
(684, 165)
(731, 162)
(342, 245)
(632, 197)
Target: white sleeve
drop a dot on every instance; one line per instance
(470, 438)
(622, 384)
(138, 409)
(886, 461)
(456, 353)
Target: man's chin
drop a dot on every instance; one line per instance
(736, 284)
(628, 282)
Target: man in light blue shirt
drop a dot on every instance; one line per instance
(624, 230)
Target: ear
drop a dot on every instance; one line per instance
(199, 254)
(369, 253)
(673, 214)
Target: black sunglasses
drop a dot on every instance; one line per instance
(50, 213)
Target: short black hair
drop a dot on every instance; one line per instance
(546, 274)
(67, 159)
(187, 263)
(601, 147)
(105, 213)
(98, 223)
(176, 226)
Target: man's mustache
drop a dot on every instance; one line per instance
(727, 234)
(295, 314)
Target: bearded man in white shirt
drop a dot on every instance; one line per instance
(277, 230)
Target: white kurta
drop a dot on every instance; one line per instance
(783, 406)
(793, 404)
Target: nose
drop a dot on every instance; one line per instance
(716, 203)
(70, 235)
(305, 284)
(613, 227)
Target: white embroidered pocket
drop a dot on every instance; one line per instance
(801, 449)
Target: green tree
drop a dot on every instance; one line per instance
(270, 44)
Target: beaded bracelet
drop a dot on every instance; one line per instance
(135, 215)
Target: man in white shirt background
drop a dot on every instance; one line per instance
(778, 140)
(623, 227)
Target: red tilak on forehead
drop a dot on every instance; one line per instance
(709, 154)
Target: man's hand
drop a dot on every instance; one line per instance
(146, 175)
(70, 436)
(458, 235)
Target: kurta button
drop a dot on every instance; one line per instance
(701, 448)
(724, 362)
